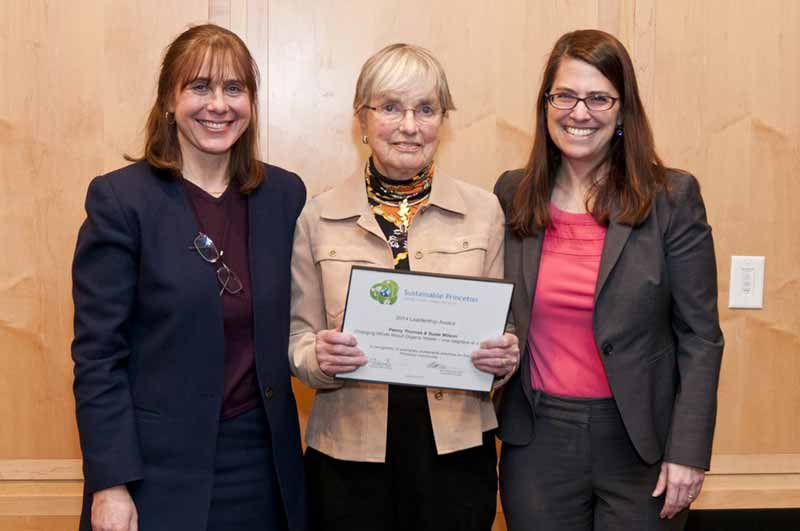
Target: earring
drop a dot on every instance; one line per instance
(364, 139)
(618, 130)
(169, 117)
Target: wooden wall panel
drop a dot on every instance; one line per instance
(724, 110)
(46, 101)
(718, 79)
(76, 105)
(78, 80)
(38, 523)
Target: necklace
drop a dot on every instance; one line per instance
(216, 192)
(405, 211)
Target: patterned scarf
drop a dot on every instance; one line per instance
(395, 203)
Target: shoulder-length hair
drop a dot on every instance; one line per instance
(223, 53)
(635, 172)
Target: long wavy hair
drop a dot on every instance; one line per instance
(224, 53)
(635, 172)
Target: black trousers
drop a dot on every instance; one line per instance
(580, 473)
(246, 495)
(415, 489)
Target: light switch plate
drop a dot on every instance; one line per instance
(747, 282)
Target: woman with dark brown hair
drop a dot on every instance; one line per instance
(181, 287)
(609, 422)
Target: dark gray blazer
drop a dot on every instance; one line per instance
(655, 324)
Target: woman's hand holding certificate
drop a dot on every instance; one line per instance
(498, 356)
(338, 352)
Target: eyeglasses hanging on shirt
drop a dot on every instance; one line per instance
(208, 251)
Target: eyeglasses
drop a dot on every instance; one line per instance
(594, 102)
(393, 113)
(208, 252)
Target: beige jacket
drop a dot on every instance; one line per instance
(459, 231)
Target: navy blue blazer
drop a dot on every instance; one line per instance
(655, 323)
(149, 344)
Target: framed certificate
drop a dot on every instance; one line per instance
(420, 328)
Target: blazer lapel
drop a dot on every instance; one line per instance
(185, 218)
(616, 237)
(264, 248)
(531, 255)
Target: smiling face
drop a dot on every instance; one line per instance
(401, 149)
(582, 136)
(211, 113)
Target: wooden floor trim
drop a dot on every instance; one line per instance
(40, 469)
(727, 464)
(53, 487)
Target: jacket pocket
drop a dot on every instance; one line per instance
(461, 244)
(144, 413)
(334, 263)
(462, 255)
(659, 354)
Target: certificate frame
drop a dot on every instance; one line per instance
(444, 363)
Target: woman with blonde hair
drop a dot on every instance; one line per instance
(386, 456)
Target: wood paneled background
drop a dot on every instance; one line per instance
(719, 79)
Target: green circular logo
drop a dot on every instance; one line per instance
(385, 292)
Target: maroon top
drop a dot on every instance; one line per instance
(224, 220)
(565, 359)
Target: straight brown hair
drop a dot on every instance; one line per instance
(635, 172)
(184, 58)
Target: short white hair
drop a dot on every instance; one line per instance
(401, 68)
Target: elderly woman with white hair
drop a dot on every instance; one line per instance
(383, 456)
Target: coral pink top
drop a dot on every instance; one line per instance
(564, 357)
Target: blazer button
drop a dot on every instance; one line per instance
(608, 349)
(268, 393)
(332, 253)
(438, 395)
(465, 245)
(418, 255)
